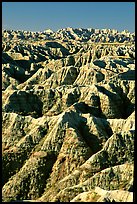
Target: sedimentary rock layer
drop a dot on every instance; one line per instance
(68, 115)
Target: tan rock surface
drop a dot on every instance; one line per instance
(68, 115)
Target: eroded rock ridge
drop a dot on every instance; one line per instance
(68, 115)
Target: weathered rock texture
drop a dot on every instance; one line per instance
(68, 115)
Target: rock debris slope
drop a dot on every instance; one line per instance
(68, 115)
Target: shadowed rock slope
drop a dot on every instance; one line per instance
(68, 115)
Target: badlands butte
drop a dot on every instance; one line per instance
(68, 115)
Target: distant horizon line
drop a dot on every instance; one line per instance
(66, 28)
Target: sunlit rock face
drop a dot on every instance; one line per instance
(68, 115)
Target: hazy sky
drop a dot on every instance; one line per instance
(38, 16)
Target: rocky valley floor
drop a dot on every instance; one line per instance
(68, 115)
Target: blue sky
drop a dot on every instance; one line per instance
(38, 16)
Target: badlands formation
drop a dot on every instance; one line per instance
(68, 115)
